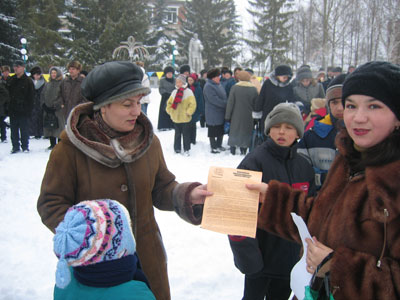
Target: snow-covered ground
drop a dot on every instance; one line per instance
(200, 261)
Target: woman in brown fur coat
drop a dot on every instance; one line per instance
(355, 218)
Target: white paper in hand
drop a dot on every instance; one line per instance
(299, 277)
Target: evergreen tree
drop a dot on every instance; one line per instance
(40, 24)
(87, 19)
(10, 33)
(215, 22)
(158, 42)
(125, 18)
(98, 27)
(270, 38)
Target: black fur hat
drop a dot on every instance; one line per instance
(113, 81)
(36, 70)
(184, 68)
(213, 73)
(377, 79)
(283, 70)
(169, 69)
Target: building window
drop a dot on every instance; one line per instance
(69, 3)
(171, 15)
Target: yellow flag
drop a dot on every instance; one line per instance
(159, 74)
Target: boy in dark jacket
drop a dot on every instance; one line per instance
(267, 260)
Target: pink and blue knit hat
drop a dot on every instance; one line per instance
(92, 232)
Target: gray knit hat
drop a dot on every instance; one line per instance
(182, 78)
(113, 81)
(285, 113)
(304, 73)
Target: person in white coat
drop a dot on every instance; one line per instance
(146, 83)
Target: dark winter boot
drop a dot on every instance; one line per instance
(53, 142)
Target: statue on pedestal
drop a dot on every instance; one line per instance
(195, 57)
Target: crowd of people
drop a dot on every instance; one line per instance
(326, 141)
(36, 107)
(41, 108)
(329, 151)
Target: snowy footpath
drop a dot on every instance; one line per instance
(200, 262)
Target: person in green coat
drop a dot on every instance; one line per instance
(97, 254)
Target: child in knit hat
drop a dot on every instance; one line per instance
(267, 260)
(181, 105)
(97, 254)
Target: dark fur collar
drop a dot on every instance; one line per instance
(84, 133)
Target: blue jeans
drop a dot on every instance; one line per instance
(19, 124)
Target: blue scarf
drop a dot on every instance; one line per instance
(111, 273)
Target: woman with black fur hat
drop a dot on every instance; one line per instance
(109, 150)
(355, 218)
(36, 118)
(277, 89)
(166, 86)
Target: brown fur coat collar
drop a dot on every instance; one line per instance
(379, 179)
(84, 133)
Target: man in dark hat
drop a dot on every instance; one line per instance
(227, 81)
(21, 92)
(337, 71)
(71, 87)
(277, 89)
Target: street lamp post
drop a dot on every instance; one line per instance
(174, 52)
(23, 50)
(173, 43)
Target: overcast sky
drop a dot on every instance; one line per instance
(244, 17)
